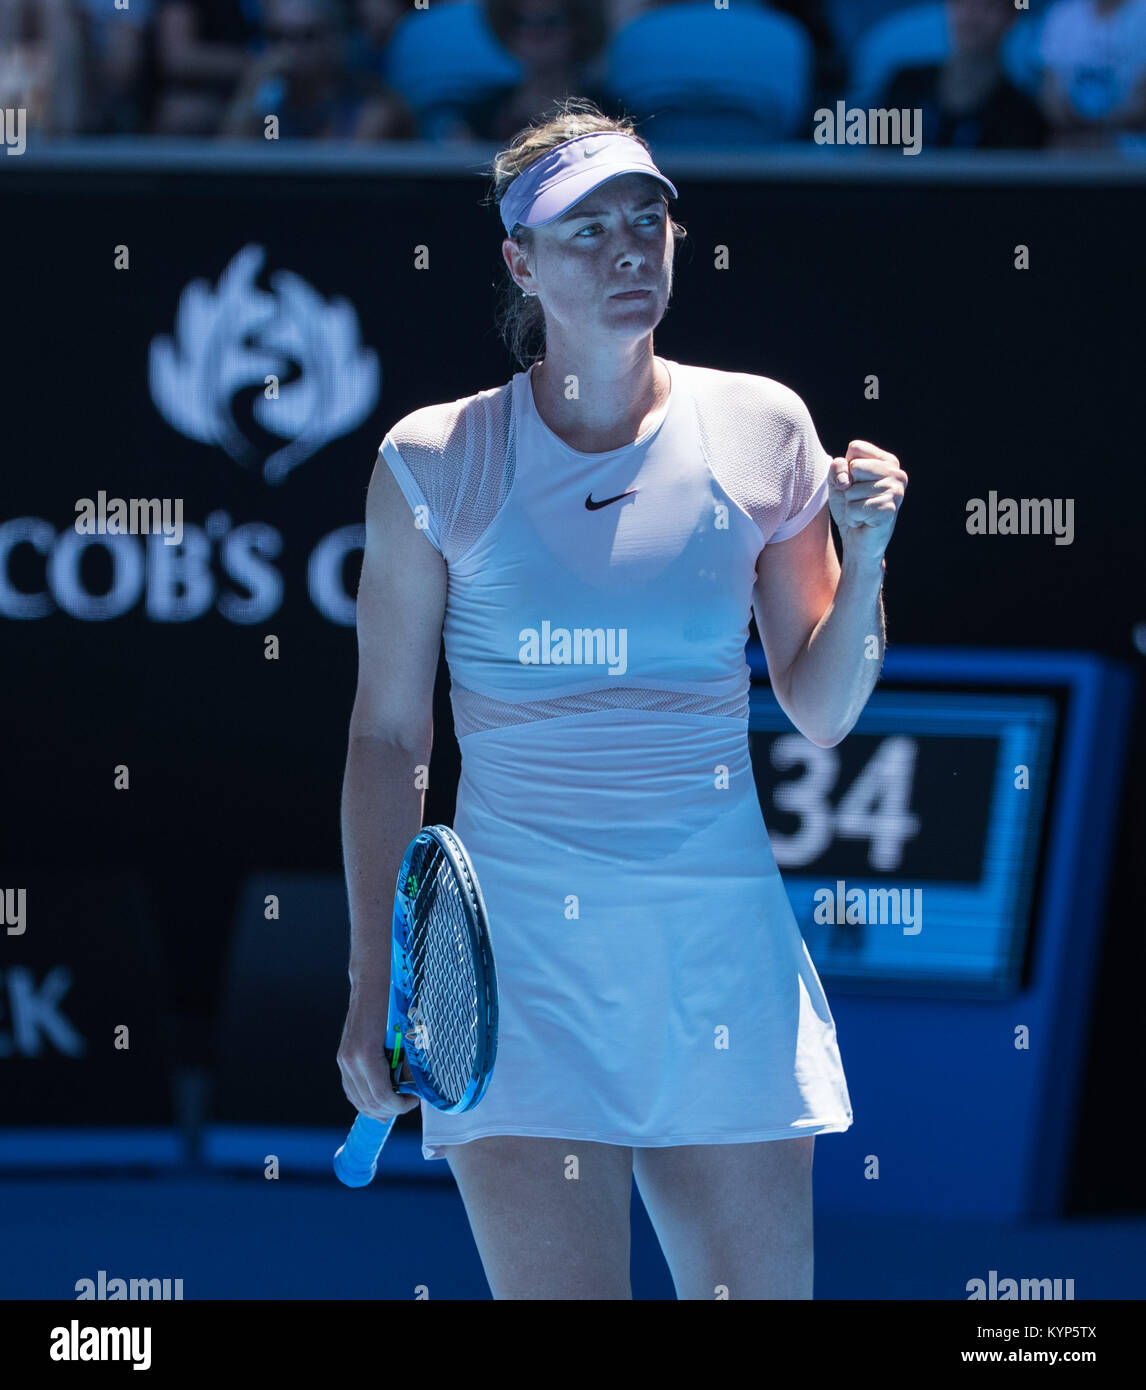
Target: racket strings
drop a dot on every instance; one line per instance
(444, 1002)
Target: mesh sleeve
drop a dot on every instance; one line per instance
(762, 449)
(416, 452)
(810, 470)
(454, 463)
(425, 517)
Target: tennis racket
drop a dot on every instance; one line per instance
(442, 1019)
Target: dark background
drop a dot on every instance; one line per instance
(990, 378)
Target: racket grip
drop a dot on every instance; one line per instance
(356, 1161)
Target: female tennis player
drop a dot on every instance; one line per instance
(590, 538)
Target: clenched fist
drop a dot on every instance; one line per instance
(865, 489)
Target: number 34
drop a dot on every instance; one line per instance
(874, 807)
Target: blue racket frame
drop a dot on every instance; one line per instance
(356, 1162)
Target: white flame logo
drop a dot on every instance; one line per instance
(235, 336)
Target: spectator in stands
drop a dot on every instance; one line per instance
(374, 22)
(620, 12)
(556, 42)
(1094, 61)
(967, 102)
(830, 65)
(43, 67)
(302, 79)
(203, 48)
(120, 45)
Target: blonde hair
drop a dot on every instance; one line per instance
(521, 319)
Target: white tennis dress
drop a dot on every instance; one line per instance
(654, 985)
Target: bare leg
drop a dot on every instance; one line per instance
(733, 1220)
(547, 1226)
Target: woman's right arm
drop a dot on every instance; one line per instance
(401, 607)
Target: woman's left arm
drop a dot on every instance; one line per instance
(822, 623)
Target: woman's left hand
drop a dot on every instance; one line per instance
(865, 489)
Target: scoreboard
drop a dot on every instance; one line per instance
(910, 851)
(948, 865)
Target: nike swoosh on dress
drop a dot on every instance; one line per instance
(595, 506)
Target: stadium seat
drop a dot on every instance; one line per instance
(849, 20)
(444, 57)
(706, 76)
(913, 36)
(1021, 48)
(919, 35)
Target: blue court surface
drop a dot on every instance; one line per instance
(252, 1238)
